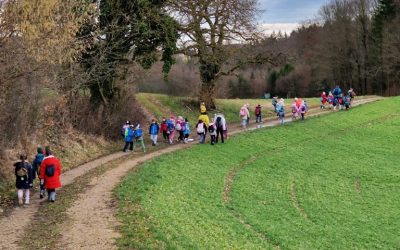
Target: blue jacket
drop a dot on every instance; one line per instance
(36, 163)
(187, 129)
(129, 134)
(154, 128)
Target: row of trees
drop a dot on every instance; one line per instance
(82, 56)
(354, 44)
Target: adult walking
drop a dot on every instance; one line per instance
(50, 171)
(220, 123)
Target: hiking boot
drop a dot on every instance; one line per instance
(20, 202)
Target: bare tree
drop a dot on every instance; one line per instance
(215, 31)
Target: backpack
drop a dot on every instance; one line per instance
(258, 110)
(138, 132)
(22, 172)
(243, 112)
(50, 170)
(211, 128)
(279, 108)
(178, 126)
(171, 125)
(187, 128)
(219, 122)
(303, 108)
(200, 128)
(129, 132)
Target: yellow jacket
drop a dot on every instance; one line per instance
(205, 119)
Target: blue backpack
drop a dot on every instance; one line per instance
(171, 125)
(138, 132)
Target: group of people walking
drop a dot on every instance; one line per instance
(46, 167)
(337, 99)
(176, 130)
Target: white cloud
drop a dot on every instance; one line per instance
(268, 28)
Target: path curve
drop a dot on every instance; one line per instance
(94, 224)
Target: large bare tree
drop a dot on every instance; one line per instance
(217, 32)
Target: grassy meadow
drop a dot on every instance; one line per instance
(163, 105)
(330, 182)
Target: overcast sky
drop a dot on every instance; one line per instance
(287, 14)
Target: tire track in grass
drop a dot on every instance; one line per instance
(357, 185)
(296, 202)
(228, 182)
(230, 177)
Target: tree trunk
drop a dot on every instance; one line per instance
(207, 95)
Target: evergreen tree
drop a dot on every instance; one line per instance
(128, 31)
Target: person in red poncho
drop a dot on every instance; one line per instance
(323, 100)
(50, 171)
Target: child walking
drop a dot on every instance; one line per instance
(50, 172)
(36, 167)
(257, 113)
(138, 134)
(244, 115)
(24, 176)
(180, 128)
(171, 129)
(153, 131)
(323, 100)
(303, 110)
(128, 138)
(201, 129)
(280, 109)
(295, 110)
(186, 131)
(213, 132)
(164, 130)
(330, 100)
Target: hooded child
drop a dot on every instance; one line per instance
(24, 176)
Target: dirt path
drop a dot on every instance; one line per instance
(14, 224)
(94, 225)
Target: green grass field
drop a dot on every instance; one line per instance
(331, 182)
